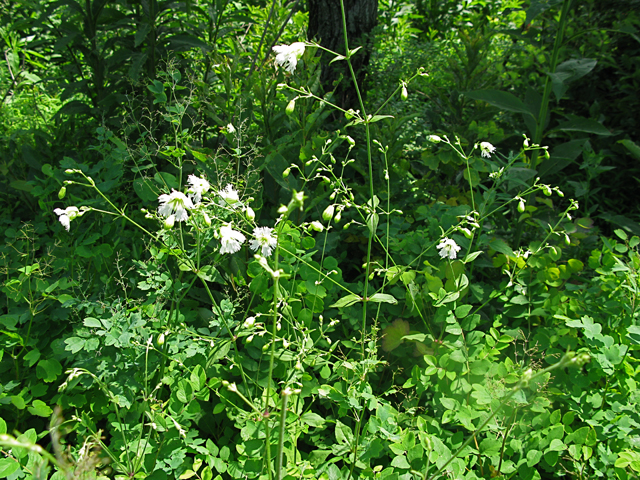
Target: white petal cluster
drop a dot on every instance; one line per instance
(230, 239)
(264, 239)
(287, 56)
(65, 216)
(176, 203)
(198, 186)
(448, 248)
(486, 149)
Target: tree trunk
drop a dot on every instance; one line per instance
(325, 27)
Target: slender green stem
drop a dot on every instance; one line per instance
(283, 424)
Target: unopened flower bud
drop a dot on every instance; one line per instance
(286, 172)
(69, 171)
(291, 107)
(338, 216)
(567, 240)
(327, 215)
(351, 141)
(161, 339)
(434, 138)
(404, 95)
(559, 192)
(207, 219)
(546, 189)
(317, 226)
(521, 206)
(250, 214)
(169, 221)
(62, 193)
(546, 154)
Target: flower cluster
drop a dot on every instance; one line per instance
(287, 56)
(448, 248)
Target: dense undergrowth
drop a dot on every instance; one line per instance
(210, 269)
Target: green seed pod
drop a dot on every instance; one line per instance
(62, 193)
(286, 172)
(404, 95)
(338, 216)
(521, 206)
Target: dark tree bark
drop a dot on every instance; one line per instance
(325, 27)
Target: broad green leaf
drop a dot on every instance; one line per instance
(40, 409)
(634, 149)
(48, 369)
(383, 298)
(312, 419)
(580, 124)
(393, 334)
(8, 466)
(502, 100)
(347, 301)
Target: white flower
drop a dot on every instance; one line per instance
(198, 186)
(229, 197)
(230, 239)
(487, 149)
(448, 248)
(175, 203)
(65, 216)
(288, 55)
(231, 128)
(264, 238)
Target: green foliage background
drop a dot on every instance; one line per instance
(130, 350)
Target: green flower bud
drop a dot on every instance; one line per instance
(317, 226)
(207, 219)
(62, 193)
(546, 190)
(169, 222)
(291, 107)
(251, 215)
(327, 215)
(404, 95)
(521, 206)
(286, 172)
(567, 240)
(338, 216)
(161, 339)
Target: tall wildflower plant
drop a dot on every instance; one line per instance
(278, 334)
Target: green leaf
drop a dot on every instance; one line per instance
(634, 149)
(501, 247)
(40, 409)
(392, 335)
(377, 118)
(533, 457)
(383, 297)
(633, 334)
(502, 100)
(92, 322)
(8, 466)
(580, 124)
(347, 301)
(400, 462)
(32, 357)
(312, 419)
(74, 344)
(556, 445)
(463, 310)
(198, 378)
(48, 370)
